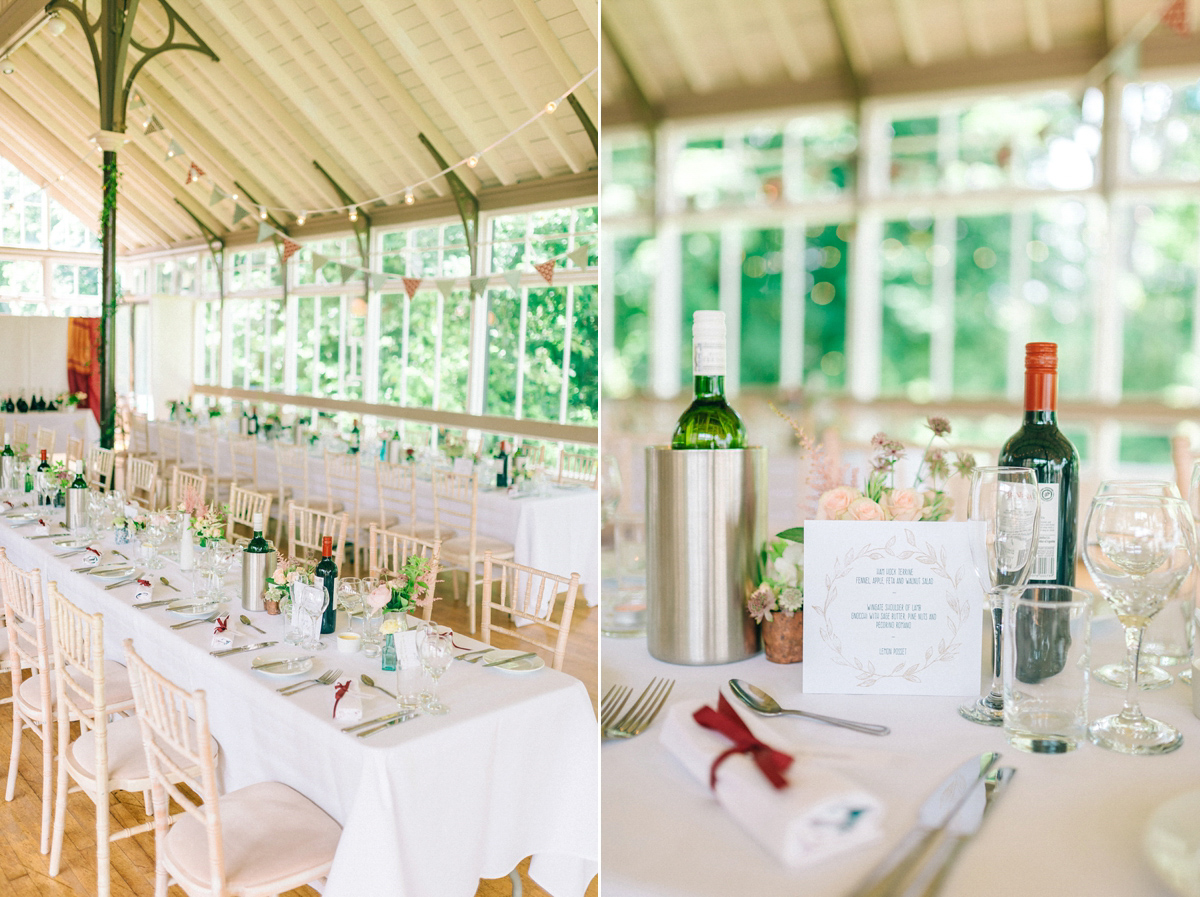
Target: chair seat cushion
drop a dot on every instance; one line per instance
(269, 833)
(458, 549)
(127, 767)
(117, 691)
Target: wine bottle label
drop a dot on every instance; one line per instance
(1045, 565)
(708, 360)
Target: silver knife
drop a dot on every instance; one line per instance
(253, 647)
(387, 717)
(508, 660)
(896, 869)
(961, 828)
(473, 656)
(400, 719)
(287, 661)
(147, 604)
(123, 582)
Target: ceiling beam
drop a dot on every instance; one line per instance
(616, 32)
(489, 87)
(1037, 19)
(916, 47)
(382, 12)
(17, 16)
(975, 22)
(553, 48)
(589, 10)
(786, 37)
(749, 63)
(696, 72)
(856, 62)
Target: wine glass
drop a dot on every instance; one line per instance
(152, 537)
(1138, 549)
(310, 598)
(1002, 511)
(610, 489)
(437, 650)
(1150, 675)
(348, 597)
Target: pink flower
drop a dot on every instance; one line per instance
(863, 509)
(832, 505)
(903, 504)
(378, 598)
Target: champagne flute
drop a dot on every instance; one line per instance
(1002, 511)
(1151, 675)
(1138, 549)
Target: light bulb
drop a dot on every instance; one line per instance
(300, 220)
(472, 162)
(354, 214)
(551, 106)
(233, 196)
(409, 199)
(56, 26)
(262, 212)
(6, 66)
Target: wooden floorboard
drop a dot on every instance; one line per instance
(24, 870)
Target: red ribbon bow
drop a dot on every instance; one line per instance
(42, 522)
(725, 720)
(339, 692)
(222, 622)
(92, 550)
(144, 582)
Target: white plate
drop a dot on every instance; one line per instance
(1172, 843)
(297, 663)
(112, 571)
(70, 542)
(189, 608)
(528, 665)
(25, 514)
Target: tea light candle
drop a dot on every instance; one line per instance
(348, 642)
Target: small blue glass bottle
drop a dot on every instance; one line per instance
(389, 653)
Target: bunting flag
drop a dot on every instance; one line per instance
(445, 286)
(152, 125)
(195, 172)
(478, 285)
(377, 280)
(546, 269)
(319, 261)
(411, 285)
(513, 277)
(137, 102)
(347, 271)
(290, 248)
(580, 256)
(1176, 17)
(239, 213)
(264, 230)
(217, 195)
(174, 149)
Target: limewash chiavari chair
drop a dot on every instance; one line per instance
(142, 482)
(343, 477)
(46, 440)
(388, 552)
(74, 449)
(579, 469)
(396, 490)
(259, 840)
(183, 483)
(20, 433)
(107, 755)
(139, 436)
(307, 526)
(291, 481)
(243, 505)
(170, 443)
(208, 462)
(528, 594)
(98, 469)
(456, 505)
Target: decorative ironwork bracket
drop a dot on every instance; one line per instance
(585, 121)
(468, 204)
(361, 221)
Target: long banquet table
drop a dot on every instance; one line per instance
(558, 531)
(78, 423)
(1069, 824)
(428, 807)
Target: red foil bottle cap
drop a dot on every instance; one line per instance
(1041, 357)
(1041, 376)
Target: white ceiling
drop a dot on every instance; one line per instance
(346, 83)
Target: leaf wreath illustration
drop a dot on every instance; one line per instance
(947, 646)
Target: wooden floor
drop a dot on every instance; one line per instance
(23, 868)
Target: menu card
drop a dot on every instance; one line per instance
(891, 608)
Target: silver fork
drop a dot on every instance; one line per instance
(186, 623)
(612, 702)
(643, 711)
(326, 678)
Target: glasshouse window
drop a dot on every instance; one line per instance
(318, 347)
(20, 277)
(208, 338)
(22, 209)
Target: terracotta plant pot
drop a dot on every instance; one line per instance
(271, 606)
(783, 637)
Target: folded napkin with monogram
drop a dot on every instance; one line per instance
(799, 812)
(347, 702)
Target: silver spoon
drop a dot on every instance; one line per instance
(370, 683)
(167, 583)
(246, 622)
(761, 702)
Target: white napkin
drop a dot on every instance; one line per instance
(89, 559)
(350, 707)
(820, 813)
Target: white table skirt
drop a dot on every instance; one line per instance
(1068, 824)
(428, 807)
(80, 424)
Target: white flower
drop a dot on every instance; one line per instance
(789, 567)
(791, 600)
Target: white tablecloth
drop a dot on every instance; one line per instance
(428, 807)
(80, 424)
(1069, 825)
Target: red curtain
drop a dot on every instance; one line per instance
(83, 361)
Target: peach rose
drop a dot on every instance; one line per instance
(832, 505)
(864, 509)
(903, 504)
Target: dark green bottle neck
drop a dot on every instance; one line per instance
(710, 387)
(1041, 419)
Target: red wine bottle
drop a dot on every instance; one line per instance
(327, 572)
(1040, 445)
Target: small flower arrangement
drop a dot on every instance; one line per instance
(211, 525)
(287, 571)
(454, 446)
(781, 589)
(403, 593)
(882, 500)
(72, 398)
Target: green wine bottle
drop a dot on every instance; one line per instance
(326, 571)
(709, 422)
